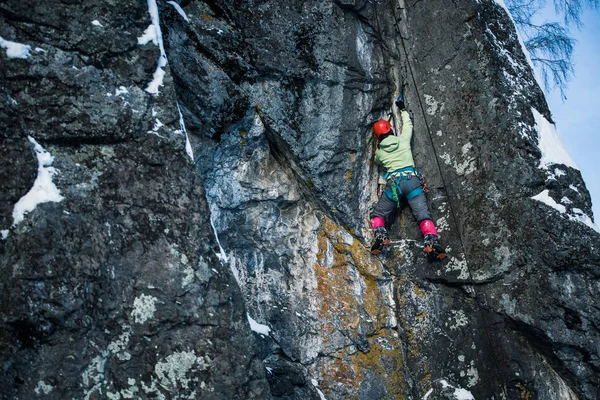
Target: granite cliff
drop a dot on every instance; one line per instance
(185, 197)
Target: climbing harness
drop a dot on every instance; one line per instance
(404, 174)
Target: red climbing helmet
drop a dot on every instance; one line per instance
(381, 127)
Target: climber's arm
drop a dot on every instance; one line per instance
(407, 128)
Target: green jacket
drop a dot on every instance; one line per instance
(394, 152)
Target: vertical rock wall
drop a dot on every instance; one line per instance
(152, 272)
(115, 291)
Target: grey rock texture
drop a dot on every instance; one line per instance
(148, 279)
(116, 291)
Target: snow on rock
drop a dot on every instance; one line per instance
(577, 214)
(545, 198)
(222, 256)
(43, 189)
(550, 143)
(179, 10)
(14, 49)
(460, 394)
(153, 33)
(258, 328)
(316, 385)
(121, 90)
(96, 23)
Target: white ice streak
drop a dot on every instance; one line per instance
(550, 143)
(14, 49)
(188, 145)
(222, 256)
(316, 385)
(43, 189)
(154, 34)
(179, 10)
(96, 23)
(258, 328)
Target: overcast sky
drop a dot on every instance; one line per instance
(578, 117)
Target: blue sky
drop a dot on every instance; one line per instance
(578, 117)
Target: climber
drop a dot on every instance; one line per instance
(400, 181)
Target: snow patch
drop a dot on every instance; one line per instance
(576, 214)
(14, 49)
(96, 23)
(460, 394)
(156, 127)
(258, 328)
(545, 198)
(579, 216)
(550, 143)
(121, 90)
(153, 33)
(179, 10)
(43, 189)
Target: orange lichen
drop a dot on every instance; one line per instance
(207, 17)
(349, 175)
(524, 393)
(351, 304)
(243, 139)
(419, 292)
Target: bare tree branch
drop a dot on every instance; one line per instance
(550, 43)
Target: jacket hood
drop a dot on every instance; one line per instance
(389, 144)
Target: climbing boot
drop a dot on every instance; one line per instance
(433, 248)
(381, 240)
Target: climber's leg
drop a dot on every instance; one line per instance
(421, 212)
(384, 208)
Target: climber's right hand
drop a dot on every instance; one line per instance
(400, 102)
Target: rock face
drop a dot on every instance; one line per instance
(240, 268)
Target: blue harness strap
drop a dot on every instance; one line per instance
(395, 194)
